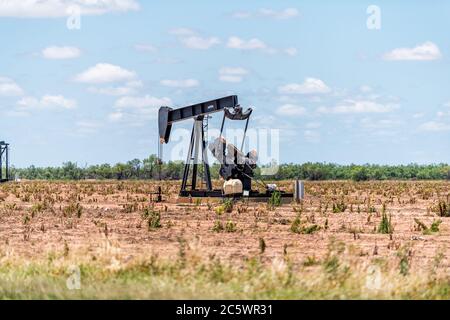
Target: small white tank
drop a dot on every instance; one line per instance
(232, 186)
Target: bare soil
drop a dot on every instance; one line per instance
(38, 218)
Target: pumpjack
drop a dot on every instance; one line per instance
(236, 168)
(4, 162)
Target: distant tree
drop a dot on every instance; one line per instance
(134, 168)
(120, 171)
(149, 169)
(360, 173)
(71, 171)
(148, 166)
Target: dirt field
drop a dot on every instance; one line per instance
(118, 223)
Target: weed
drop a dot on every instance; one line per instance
(228, 205)
(37, 208)
(230, 226)
(26, 219)
(153, 218)
(130, 207)
(434, 228)
(66, 249)
(339, 207)
(404, 254)
(331, 264)
(435, 225)
(181, 261)
(385, 226)
(443, 208)
(310, 261)
(218, 226)
(274, 200)
(420, 225)
(298, 226)
(73, 209)
(219, 210)
(262, 245)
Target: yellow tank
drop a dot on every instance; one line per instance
(232, 186)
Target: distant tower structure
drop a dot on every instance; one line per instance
(4, 161)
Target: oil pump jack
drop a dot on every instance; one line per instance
(236, 168)
(4, 162)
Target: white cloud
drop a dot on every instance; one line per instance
(291, 110)
(103, 73)
(146, 101)
(441, 114)
(129, 88)
(313, 125)
(137, 110)
(185, 83)
(87, 127)
(291, 51)
(47, 102)
(61, 8)
(196, 42)
(182, 32)
(241, 15)
(311, 136)
(190, 39)
(365, 89)
(309, 86)
(112, 91)
(230, 74)
(55, 52)
(115, 116)
(251, 44)
(268, 13)
(283, 14)
(422, 52)
(166, 60)
(434, 126)
(145, 48)
(359, 106)
(9, 88)
(372, 124)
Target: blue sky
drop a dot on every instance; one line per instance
(337, 90)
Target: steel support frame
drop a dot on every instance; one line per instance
(197, 142)
(4, 154)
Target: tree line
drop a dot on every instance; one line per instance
(151, 168)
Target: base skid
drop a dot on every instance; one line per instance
(218, 194)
